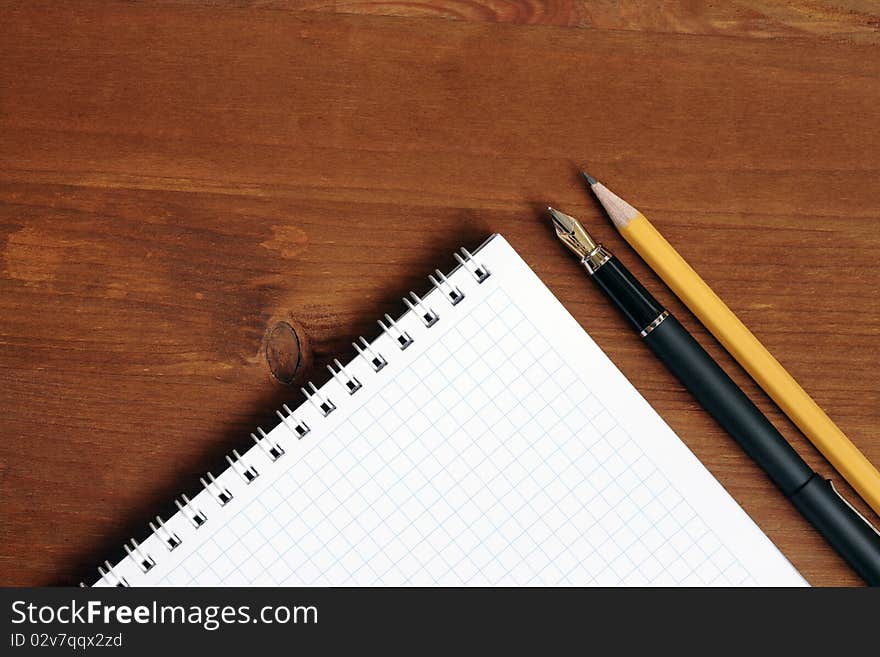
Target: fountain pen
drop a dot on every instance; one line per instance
(848, 532)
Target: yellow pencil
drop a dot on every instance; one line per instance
(742, 344)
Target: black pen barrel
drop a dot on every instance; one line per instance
(629, 296)
(703, 377)
(730, 407)
(841, 525)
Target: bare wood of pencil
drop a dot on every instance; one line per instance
(741, 343)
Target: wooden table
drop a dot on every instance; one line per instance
(184, 184)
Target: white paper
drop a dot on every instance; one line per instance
(502, 447)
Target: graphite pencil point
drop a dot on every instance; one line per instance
(590, 180)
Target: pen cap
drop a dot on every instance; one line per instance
(842, 526)
(637, 304)
(728, 405)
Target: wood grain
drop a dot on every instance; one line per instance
(177, 179)
(845, 20)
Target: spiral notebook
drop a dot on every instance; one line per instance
(482, 439)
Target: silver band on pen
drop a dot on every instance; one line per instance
(657, 322)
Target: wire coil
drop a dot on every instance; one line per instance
(295, 425)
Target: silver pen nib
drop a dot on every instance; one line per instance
(572, 234)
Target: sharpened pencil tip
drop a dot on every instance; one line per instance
(590, 180)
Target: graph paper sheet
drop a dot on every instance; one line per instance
(502, 447)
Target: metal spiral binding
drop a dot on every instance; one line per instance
(323, 404)
(453, 293)
(274, 451)
(246, 472)
(170, 539)
(349, 382)
(428, 316)
(376, 360)
(222, 495)
(120, 581)
(196, 517)
(478, 271)
(298, 428)
(402, 338)
(143, 561)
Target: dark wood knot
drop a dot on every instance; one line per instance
(284, 352)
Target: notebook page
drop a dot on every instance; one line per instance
(483, 454)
